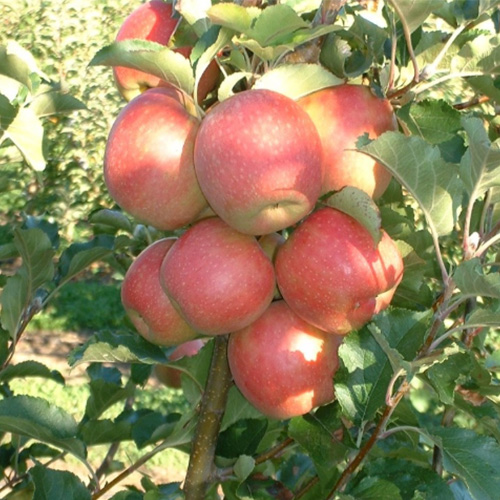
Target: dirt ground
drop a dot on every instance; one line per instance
(53, 350)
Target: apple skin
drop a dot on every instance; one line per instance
(154, 21)
(145, 302)
(342, 114)
(219, 279)
(331, 274)
(258, 159)
(170, 376)
(283, 365)
(148, 162)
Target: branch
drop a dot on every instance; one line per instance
(201, 468)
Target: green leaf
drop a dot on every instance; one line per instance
(226, 87)
(150, 57)
(361, 382)
(30, 368)
(275, 24)
(55, 102)
(36, 418)
(106, 389)
(480, 167)
(113, 218)
(415, 12)
(241, 438)
(472, 457)
(51, 484)
(297, 80)
(18, 63)
(410, 478)
(14, 299)
(78, 256)
(445, 374)
(433, 120)
(35, 249)
(29, 144)
(483, 318)
(232, 16)
(243, 467)
(472, 282)
(320, 435)
(117, 347)
(480, 56)
(360, 206)
(374, 488)
(418, 166)
(95, 432)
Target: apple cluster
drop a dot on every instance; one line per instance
(259, 257)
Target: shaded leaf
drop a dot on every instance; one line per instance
(360, 206)
(38, 419)
(361, 382)
(78, 256)
(30, 368)
(410, 479)
(51, 484)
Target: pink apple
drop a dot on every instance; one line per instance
(219, 279)
(342, 114)
(148, 163)
(283, 365)
(331, 273)
(154, 21)
(258, 161)
(171, 376)
(145, 302)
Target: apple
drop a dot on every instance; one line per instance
(331, 273)
(148, 161)
(171, 376)
(342, 114)
(145, 302)
(219, 279)
(154, 21)
(283, 365)
(259, 162)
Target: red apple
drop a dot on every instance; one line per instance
(283, 365)
(331, 273)
(145, 302)
(148, 162)
(154, 21)
(342, 114)
(258, 161)
(171, 376)
(219, 279)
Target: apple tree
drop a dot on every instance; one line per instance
(316, 188)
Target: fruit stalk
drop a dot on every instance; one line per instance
(201, 466)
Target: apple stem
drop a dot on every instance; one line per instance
(201, 468)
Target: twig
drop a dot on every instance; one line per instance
(407, 35)
(356, 462)
(201, 466)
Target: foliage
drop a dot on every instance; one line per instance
(416, 414)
